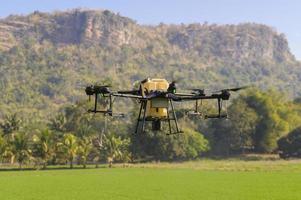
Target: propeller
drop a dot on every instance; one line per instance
(172, 88)
(89, 90)
(133, 92)
(200, 92)
(102, 89)
(97, 89)
(232, 89)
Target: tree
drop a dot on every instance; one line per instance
(7, 150)
(85, 130)
(271, 125)
(2, 147)
(194, 144)
(243, 121)
(69, 147)
(188, 145)
(115, 148)
(43, 146)
(11, 124)
(74, 116)
(257, 120)
(20, 148)
(58, 123)
(218, 132)
(84, 149)
(290, 145)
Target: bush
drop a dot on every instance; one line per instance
(182, 146)
(290, 145)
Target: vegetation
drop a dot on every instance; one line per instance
(257, 121)
(20, 148)
(84, 149)
(189, 145)
(47, 61)
(43, 146)
(161, 181)
(290, 145)
(115, 148)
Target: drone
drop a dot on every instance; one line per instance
(156, 97)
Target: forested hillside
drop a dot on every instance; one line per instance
(46, 58)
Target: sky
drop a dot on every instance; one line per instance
(283, 15)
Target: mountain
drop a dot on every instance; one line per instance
(47, 58)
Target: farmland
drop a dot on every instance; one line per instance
(205, 179)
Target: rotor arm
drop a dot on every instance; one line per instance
(193, 98)
(128, 96)
(133, 92)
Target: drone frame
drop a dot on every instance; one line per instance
(223, 95)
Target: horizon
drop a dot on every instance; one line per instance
(281, 15)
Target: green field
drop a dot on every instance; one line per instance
(210, 180)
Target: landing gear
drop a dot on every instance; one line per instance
(220, 107)
(222, 113)
(157, 122)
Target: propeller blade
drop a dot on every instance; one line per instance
(133, 92)
(197, 91)
(102, 89)
(237, 89)
(232, 89)
(97, 89)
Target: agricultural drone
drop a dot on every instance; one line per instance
(156, 98)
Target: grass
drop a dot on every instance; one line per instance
(234, 165)
(206, 179)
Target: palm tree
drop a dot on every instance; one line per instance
(2, 147)
(7, 151)
(11, 124)
(58, 123)
(97, 150)
(70, 147)
(115, 148)
(84, 149)
(7, 147)
(20, 148)
(44, 146)
(84, 130)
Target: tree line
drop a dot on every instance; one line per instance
(56, 144)
(259, 122)
(258, 119)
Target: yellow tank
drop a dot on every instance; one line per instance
(157, 107)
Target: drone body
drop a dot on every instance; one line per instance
(155, 107)
(156, 98)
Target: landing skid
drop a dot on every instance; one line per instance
(142, 119)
